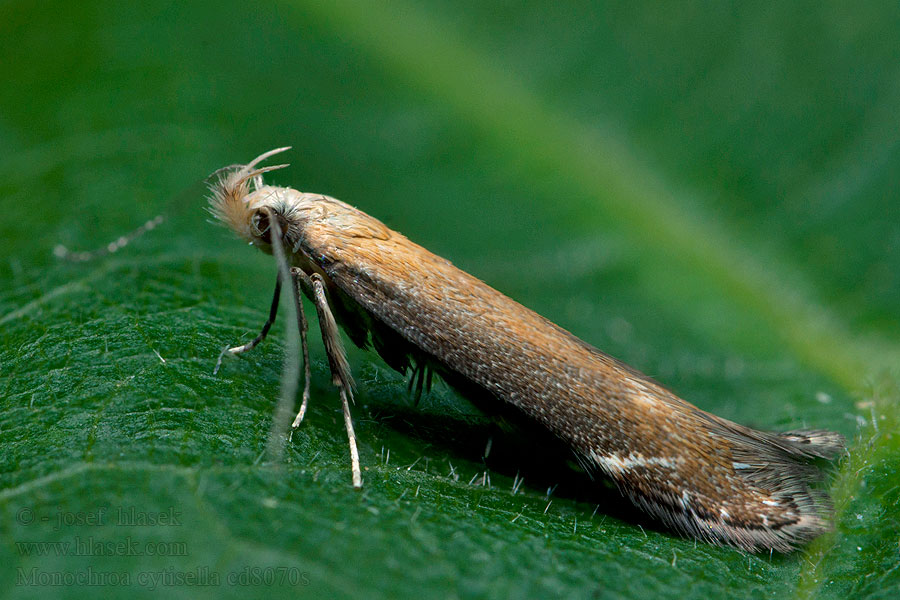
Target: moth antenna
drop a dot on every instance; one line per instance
(177, 203)
(290, 372)
(63, 253)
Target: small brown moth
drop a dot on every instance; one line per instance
(702, 475)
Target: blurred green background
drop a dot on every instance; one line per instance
(707, 191)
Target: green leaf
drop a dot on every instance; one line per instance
(706, 192)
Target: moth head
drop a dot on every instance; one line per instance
(231, 203)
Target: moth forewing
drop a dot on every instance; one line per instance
(703, 475)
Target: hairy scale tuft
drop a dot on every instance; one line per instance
(230, 189)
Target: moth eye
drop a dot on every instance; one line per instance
(259, 223)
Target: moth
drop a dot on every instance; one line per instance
(700, 474)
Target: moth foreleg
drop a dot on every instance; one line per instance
(273, 312)
(296, 275)
(337, 360)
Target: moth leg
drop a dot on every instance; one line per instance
(420, 378)
(273, 311)
(412, 378)
(302, 324)
(417, 380)
(337, 360)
